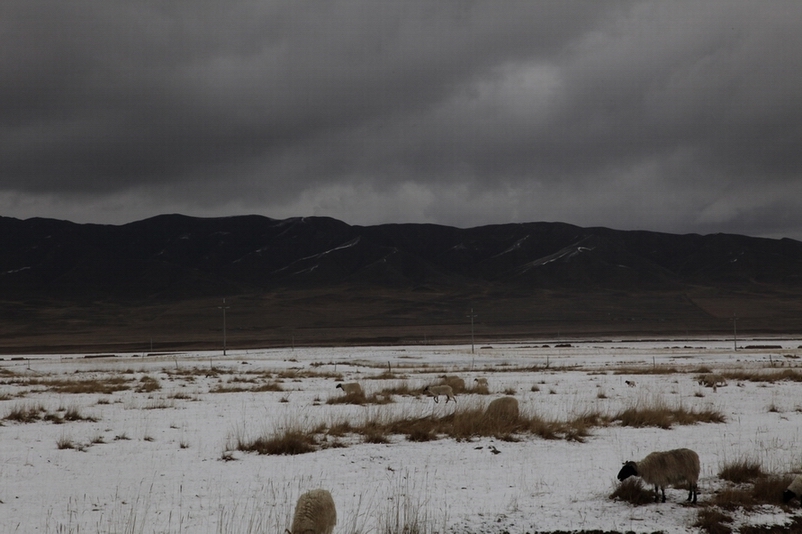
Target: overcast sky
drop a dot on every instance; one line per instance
(666, 115)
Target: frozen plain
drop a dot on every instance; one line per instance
(163, 461)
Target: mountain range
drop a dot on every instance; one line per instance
(159, 284)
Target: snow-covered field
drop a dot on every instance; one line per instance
(164, 459)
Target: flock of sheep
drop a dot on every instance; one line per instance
(315, 512)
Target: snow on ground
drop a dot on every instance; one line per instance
(164, 461)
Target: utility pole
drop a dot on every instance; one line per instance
(224, 308)
(734, 332)
(472, 317)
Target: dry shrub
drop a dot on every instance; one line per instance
(225, 388)
(65, 442)
(713, 521)
(148, 384)
(652, 370)
(633, 491)
(741, 471)
(349, 398)
(73, 414)
(791, 375)
(398, 389)
(268, 386)
(734, 498)
(25, 413)
(290, 442)
(661, 415)
(769, 489)
(375, 437)
(107, 386)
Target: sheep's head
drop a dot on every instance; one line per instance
(335, 387)
(788, 495)
(630, 469)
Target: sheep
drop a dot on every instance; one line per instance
(794, 490)
(457, 384)
(314, 513)
(480, 381)
(630, 383)
(350, 388)
(663, 468)
(504, 409)
(712, 380)
(436, 391)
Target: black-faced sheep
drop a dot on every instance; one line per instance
(661, 469)
(314, 513)
(436, 391)
(794, 490)
(504, 409)
(350, 388)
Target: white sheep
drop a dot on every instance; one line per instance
(437, 391)
(661, 469)
(504, 409)
(350, 388)
(482, 382)
(794, 490)
(314, 513)
(456, 383)
(712, 380)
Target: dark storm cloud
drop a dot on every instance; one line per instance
(659, 115)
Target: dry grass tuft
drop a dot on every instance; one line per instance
(651, 370)
(661, 415)
(107, 386)
(741, 471)
(148, 384)
(401, 389)
(25, 413)
(360, 399)
(791, 375)
(713, 521)
(769, 489)
(633, 491)
(268, 386)
(290, 442)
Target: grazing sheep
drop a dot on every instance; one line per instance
(663, 468)
(712, 380)
(350, 388)
(314, 513)
(457, 384)
(436, 391)
(503, 409)
(480, 381)
(794, 490)
(630, 383)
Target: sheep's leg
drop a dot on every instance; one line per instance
(692, 493)
(656, 493)
(436, 399)
(663, 489)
